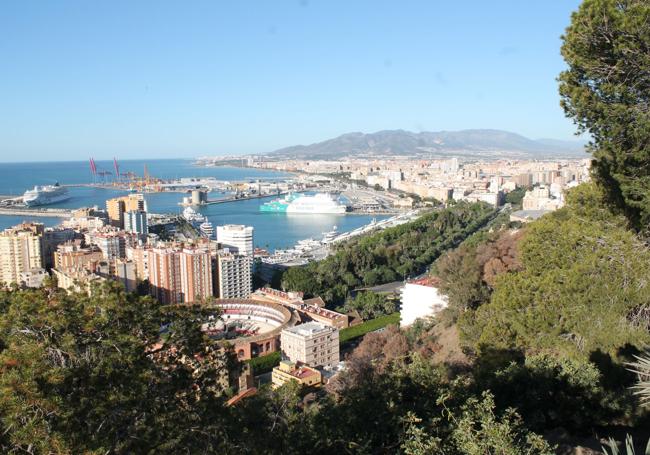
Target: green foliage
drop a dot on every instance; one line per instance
(390, 255)
(606, 92)
(641, 367)
(461, 278)
(359, 330)
(479, 431)
(86, 374)
(551, 392)
(468, 273)
(516, 196)
(265, 363)
(582, 288)
(370, 305)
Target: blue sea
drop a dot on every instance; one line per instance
(272, 230)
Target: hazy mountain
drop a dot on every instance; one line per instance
(470, 143)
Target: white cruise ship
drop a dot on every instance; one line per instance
(318, 203)
(44, 195)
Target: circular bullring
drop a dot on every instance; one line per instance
(247, 318)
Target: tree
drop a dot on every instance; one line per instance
(582, 286)
(606, 91)
(370, 305)
(480, 431)
(91, 374)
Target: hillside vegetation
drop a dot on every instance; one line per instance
(389, 255)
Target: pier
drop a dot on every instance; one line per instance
(41, 212)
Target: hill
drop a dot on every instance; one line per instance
(479, 143)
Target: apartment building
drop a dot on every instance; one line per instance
(179, 275)
(117, 207)
(234, 277)
(313, 344)
(135, 221)
(21, 250)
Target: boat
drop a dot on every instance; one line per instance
(319, 203)
(278, 205)
(193, 216)
(331, 235)
(207, 229)
(44, 195)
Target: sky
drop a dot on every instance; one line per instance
(163, 79)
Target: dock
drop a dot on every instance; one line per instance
(42, 212)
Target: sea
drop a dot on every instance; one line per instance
(271, 230)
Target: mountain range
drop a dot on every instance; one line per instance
(476, 143)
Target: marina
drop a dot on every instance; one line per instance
(273, 231)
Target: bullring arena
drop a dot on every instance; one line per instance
(253, 327)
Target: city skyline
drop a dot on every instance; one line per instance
(170, 81)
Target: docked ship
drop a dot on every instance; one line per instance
(199, 222)
(44, 195)
(320, 203)
(207, 229)
(193, 216)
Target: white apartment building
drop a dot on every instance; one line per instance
(237, 238)
(21, 250)
(420, 299)
(312, 343)
(234, 278)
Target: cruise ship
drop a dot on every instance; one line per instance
(44, 195)
(320, 203)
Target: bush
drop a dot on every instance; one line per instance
(265, 363)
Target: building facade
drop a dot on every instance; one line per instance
(237, 238)
(21, 250)
(312, 343)
(234, 277)
(288, 371)
(179, 275)
(117, 207)
(135, 221)
(420, 299)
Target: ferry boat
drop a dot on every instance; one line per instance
(319, 203)
(44, 195)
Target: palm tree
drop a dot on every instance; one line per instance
(642, 368)
(629, 447)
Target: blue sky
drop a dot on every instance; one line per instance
(188, 78)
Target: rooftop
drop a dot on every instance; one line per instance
(429, 281)
(310, 328)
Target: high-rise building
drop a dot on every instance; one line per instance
(234, 275)
(237, 238)
(312, 343)
(179, 275)
(196, 274)
(21, 250)
(135, 221)
(117, 207)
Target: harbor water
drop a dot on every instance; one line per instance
(272, 230)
